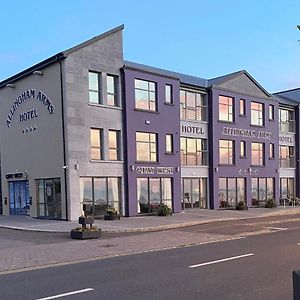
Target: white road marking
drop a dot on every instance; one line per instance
(67, 294)
(221, 260)
(278, 228)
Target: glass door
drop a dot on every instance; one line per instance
(194, 193)
(19, 197)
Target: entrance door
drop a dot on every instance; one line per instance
(18, 197)
(194, 193)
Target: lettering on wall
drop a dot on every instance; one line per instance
(250, 133)
(287, 139)
(26, 96)
(192, 129)
(155, 170)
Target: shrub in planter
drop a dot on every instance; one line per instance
(111, 214)
(270, 203)
(164, 210)
(241, 205)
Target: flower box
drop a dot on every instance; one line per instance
(85, 234)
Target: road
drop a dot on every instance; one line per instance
(249, 267)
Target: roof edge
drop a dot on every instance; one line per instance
(94, 39)
(57, 57)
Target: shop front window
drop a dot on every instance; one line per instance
(151, 192)
(232, 191)
(262, 190)
(287, 189)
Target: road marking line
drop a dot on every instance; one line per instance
(221, 260)
(278, 228)
(67, 294)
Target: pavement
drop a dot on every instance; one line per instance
(146, 223)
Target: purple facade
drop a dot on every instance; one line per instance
(165, 120)
(242, 130)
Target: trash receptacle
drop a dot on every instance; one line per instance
(296, 284)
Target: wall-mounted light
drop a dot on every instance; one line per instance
(147, 122)
(177, 169)
(76, 166)
(38, 72)
(65, 167)
(216, 169)
(10, 85)
(132, 168)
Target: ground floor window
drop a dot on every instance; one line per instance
(194, 193)
(262, 190)
(151, 192)
(287, 188)
(231, 191)
(49, 198)
(100, 194)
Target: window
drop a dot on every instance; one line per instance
(271, 112)
(96, 143)
(257, 114)
(257, 154)
(145, 95)
(226, 152)
(194, 193)
(231, 192)
(243, 149)
(94, 87)
(169, 143)
(271, 151)
(146, 148)
(226, 109)
(151, 192)
(168, 94)
(286, 156)
(262, 190)
(100, 193)
(286, 120)
(193, 152)
(193, 106)
(242, 107)
(114, 144)
(111, 85)
(49, 198)
(287, 188)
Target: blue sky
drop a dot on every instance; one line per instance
(201, 38)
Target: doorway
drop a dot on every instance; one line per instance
(19, 197)
(194, 193)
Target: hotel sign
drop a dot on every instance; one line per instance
(192, 129)
(287, 139)
(155, 170)
(247, 133)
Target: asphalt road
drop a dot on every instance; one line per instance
(264, 272)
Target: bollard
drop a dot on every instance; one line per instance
(296, 284)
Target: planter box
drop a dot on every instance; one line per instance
(87, 234)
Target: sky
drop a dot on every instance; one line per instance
(200, 38)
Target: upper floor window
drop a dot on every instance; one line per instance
(114, 144)
(286, 120)
(271, 112)
(145, 95)
(193, 106)
(146, 146)
(286, 156)
(243, 148)
(226, 152)
(242, 107)
(96, 143)
(257, 114)
(169, 143)
(168, 94)
(193, 152)
(226, 109)
(271, 151)
(94, 87)
(111, 85)
(257, 154)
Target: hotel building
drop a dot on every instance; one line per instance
(86, 126)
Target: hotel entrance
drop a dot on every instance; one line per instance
(194, 193)
(18, 197)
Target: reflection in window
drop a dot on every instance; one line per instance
(194, 152)
(146, 146)
(96, 148)
(231, 192)
(286, 156)
(111, 85)
(271, 151)
(226, 152)
(243, 149)
(94, 87)
(226, 109)
(145, 95)
(169, 143)
(151, 192)
(262, 190)
(271, 112)
(168, 94)
(242, 107)
(257, 154)
(114, 144)
(100, 193)
(194, 193)
(287, 188)
(286, 120)
(257, 114)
